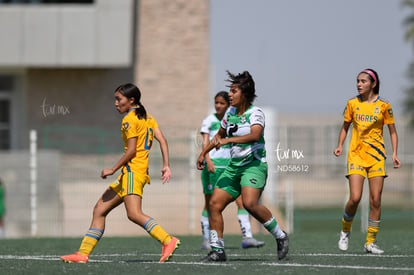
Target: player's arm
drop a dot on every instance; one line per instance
(341, 139)
(165, 171)
(129, 153)
(255, 134)
(206, 141)
(394, 143)
(215, 142)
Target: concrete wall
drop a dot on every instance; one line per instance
(67, 35)
(172, 62)
(74, 97)
(169, 62)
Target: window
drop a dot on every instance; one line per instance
(6, 88)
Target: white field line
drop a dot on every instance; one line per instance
(273, 255)
(230, 263)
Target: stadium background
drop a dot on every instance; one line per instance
(58, 79)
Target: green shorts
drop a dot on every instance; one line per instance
(209, 179)
(234, 178)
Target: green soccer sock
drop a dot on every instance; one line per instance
(273, 227)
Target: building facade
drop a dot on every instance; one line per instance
(60, 62)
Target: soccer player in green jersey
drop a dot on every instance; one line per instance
(368, 113)
(216, 162)
(138, 129)
(243, 129)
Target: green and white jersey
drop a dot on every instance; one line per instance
(242, 154)
(210, 126)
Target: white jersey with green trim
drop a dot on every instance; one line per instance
(242, 154)
(210, 126)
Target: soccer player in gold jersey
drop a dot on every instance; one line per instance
(138, 132)
(368, 113)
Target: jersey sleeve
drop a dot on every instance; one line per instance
(257, 117)
(132, 126)
(388, 114)
(152, 122)
(205, 126)
(348, 112)
(223, 122)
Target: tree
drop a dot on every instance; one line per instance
(409, 37)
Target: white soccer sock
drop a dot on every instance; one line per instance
(273, 227)
(245, 226)
(205, 228)
(215, 241)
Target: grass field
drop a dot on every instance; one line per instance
(313, 250)
(310, 253)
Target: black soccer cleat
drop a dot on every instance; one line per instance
(282, 247)
(215, 256)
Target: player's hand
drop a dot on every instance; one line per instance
(338, 151)
(200, 162)
(216, 141)
(396, 162)
(107, 172)
(165, 174)
(210, 167)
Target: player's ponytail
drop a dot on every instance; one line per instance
(131, 91)
(140, 111)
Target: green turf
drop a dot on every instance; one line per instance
(329, 219)
(310, 253)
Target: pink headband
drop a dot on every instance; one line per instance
(371, 74)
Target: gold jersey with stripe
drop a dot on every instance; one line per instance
(143, 130)
(367, 143)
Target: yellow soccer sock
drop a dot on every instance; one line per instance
(346, 225)
(373, 228)
(347, 220)
(90, 240)
(156, 231)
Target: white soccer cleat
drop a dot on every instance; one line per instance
(251, 242)
(343, 240)
(373, 248)
(206, 245)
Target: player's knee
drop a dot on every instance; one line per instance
(354, 200)
(375, 204)
(250, 205)
(215, 206)
(133, 217)
(98, 211)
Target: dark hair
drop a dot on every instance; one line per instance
(224, 95)
(131, 91)
(368, 71)
(246, 84)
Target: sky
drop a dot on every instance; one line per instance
(304, 55)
